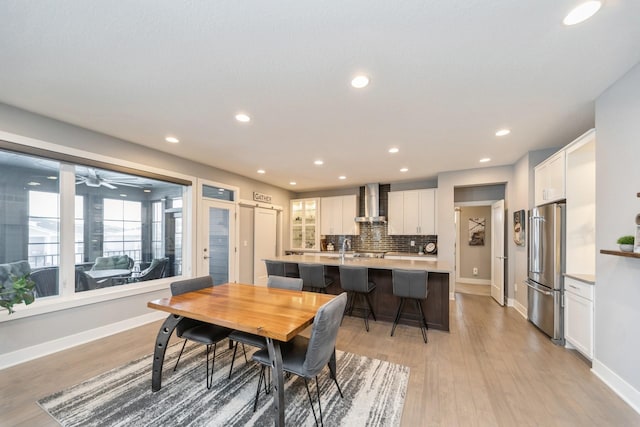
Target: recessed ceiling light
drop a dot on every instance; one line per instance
(360, 81)
(292, 183)
(243, 118)
(172, 139)
(318, 162)
(261, 171)
(403, 170)
(146, 190)
(342, 177)
(394, 150)
(503, 132)
(582, 12)
(485, 160)
(33, 183)
(123, 195)
(52, 177)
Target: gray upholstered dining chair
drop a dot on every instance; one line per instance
(243, 338)
(413, 285)
(307, 357)
(313, 277)
(355, 281)
(46, 280)
(195, 330)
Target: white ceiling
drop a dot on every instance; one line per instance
(445, 75)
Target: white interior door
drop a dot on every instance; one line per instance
(497, 251)
(217, 241)
(264, 242)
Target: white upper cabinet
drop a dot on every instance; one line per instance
(412, 212)
(304, 224)
(337, 215)
(550, 177)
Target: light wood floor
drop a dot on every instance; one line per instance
(492, 369)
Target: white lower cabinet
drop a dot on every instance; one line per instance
(578, 310)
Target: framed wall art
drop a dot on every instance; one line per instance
(519, 233)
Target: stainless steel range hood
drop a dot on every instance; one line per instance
(371, 205)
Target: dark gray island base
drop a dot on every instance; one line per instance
(385, 304)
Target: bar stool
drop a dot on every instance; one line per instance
(411, 284)
(313, 277)
(284, 269)
(355, 281)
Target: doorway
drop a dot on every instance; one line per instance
(479, 244)
(216, 237)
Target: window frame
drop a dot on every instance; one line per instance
(69, 157)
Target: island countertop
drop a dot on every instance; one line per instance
(384, 302)
(374, 263)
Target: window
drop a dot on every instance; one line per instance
(156, 229)
(79, 229)
(44, 229)
(127, 228)
(122, 229)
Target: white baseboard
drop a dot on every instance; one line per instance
(472, 281)
(26, 354)
(617, 384)
(520, 308)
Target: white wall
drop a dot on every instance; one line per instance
(18, 334)
(447, 182)
(617, 293)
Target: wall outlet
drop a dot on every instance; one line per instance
(413, 243)
(475, 271)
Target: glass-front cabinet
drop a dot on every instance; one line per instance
(305, 223)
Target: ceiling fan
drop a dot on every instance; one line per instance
(93, 179)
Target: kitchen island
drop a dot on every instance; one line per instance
(384, 303)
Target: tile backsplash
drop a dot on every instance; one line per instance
(374, 237)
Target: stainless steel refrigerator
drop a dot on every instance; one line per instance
(546, 266)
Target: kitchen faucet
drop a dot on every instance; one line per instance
(345, 243)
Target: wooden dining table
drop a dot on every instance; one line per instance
(276, 314)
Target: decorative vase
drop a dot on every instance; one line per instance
(626, 248)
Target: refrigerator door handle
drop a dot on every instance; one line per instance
(535, 288)
(535, 244)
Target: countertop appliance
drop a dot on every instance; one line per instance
(546, 266)
(369, 254)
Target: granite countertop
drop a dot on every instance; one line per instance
(586, 278)
(377, 263)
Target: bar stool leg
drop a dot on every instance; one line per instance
(423, 321)
(395, 322)
(366, 296)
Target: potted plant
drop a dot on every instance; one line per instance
(626, 243)
(22, 291)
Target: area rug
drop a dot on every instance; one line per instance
(374, 393)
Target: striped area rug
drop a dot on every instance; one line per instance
(374, 393)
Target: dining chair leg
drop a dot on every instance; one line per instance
(180, 355)
(255, 402)
(306, 384)
(319, 404)
(335, 379)
(213, 361)
(233, 358)
(395, 322)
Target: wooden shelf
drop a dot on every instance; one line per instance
(620, 253)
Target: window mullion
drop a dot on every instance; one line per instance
(67, 229)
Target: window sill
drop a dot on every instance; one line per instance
(58, 303)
